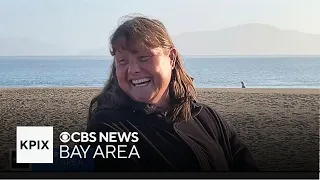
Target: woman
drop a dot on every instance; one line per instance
(150, 92)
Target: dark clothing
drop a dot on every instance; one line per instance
(203, 143)
(176, 153)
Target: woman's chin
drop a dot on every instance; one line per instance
(143, 97)
(140, 99)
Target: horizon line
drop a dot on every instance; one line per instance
(190, 55)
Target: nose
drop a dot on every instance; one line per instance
(134, 67)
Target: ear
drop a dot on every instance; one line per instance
(172, 56)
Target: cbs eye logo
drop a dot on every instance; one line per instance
(78, 137)
(64, 137)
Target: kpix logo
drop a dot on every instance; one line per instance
(27, 144)
(34, 144)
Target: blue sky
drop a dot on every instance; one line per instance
(87, 24)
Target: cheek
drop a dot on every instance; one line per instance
(122, 78)
(165, 70)
(162, 75)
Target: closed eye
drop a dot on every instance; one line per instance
(144, 58)
(122, 62)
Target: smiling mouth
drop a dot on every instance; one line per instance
(140, 82)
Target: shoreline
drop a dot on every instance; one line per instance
(235, 90)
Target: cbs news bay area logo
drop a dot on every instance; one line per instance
(34, 144)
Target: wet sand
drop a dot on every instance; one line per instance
(280, 126)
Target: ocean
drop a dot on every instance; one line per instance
(208, 72)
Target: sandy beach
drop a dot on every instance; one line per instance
(280, 126)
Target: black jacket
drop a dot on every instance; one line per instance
(214, 143)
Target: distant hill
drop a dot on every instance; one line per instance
(17, 46)
(248, 39)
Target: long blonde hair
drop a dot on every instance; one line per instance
(151, 33)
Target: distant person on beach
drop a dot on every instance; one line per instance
(243, 86)
(150, 92)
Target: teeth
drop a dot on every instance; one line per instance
(140, 85)
(139, 81)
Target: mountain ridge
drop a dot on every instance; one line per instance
(249, 39)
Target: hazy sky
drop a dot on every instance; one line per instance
(87, 24)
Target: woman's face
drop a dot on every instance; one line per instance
(144, 74)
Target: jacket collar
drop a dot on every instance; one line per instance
(196, 107)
